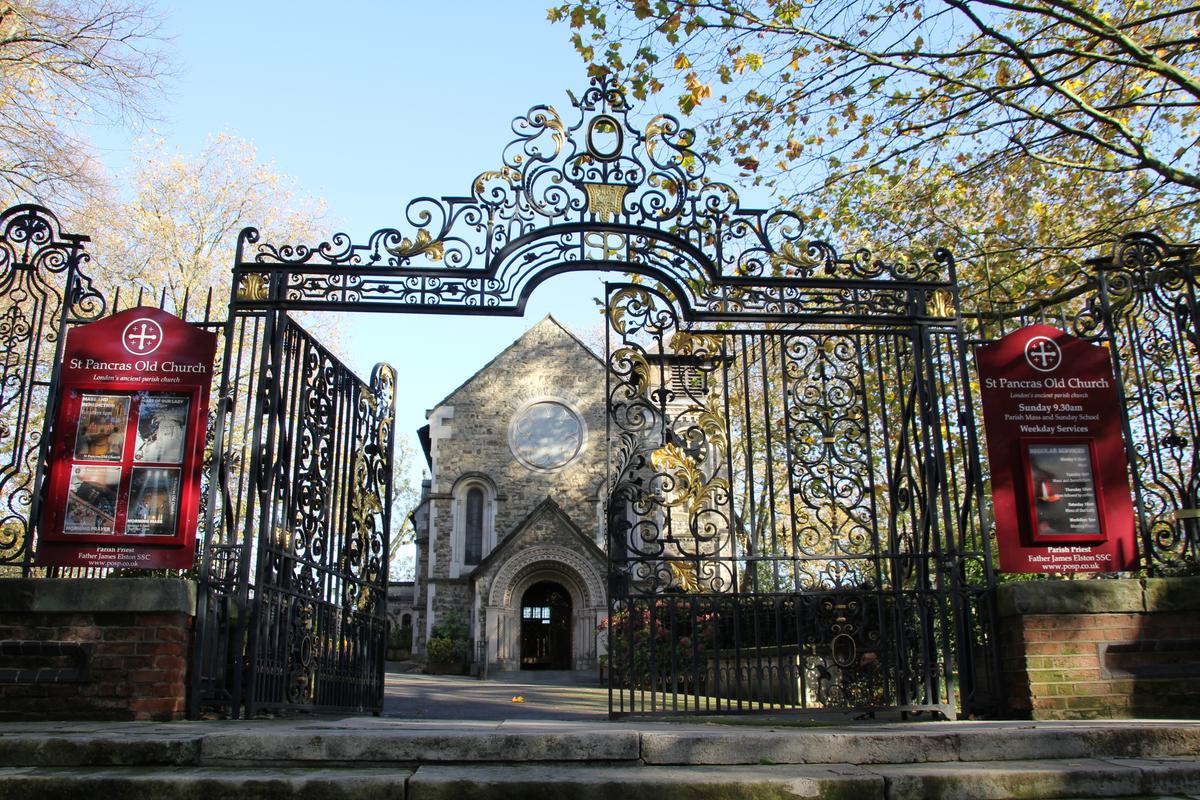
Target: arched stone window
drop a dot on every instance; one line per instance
(473, 527)
(474, 523)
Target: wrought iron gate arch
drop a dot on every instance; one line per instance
(751, 299)
(553, 190)
(513, 261)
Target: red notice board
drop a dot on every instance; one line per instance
(1060, 489)
(128, 443)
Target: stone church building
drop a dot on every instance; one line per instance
(510, 529)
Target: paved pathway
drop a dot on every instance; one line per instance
(545, 695)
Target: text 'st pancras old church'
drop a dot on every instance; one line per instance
(510, 531)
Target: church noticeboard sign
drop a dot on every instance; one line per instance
(128, 443)
(1059, 485)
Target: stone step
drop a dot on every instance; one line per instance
(1035, 780)
(946, 742)
(201, 783)
(1049, 779)
(395, 743)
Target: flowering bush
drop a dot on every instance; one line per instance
(649, 646)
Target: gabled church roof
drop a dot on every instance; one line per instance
(546, 320)
(513, 540)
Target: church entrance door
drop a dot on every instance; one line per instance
(546, 627)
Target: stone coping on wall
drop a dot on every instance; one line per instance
(97, 595)
(1099, 596)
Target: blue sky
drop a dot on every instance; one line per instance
(369, 106)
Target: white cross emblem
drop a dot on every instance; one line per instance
(142, 336)
(1042, 353)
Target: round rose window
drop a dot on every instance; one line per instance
(546, 435)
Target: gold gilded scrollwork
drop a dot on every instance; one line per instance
(384, 384)
(669, 186)
(658, 128)
(254, 287)
(688, 487)
(639, 368)
(686, 343)
(364, 503)
(654, 129)
(372, 404)
(789, 254)
(684, 577)
(712, 422)
(507, 174)
(672, 461)
(606, 200)
(941, 304)
(384, 387)
(620, 301)
(554, 123)
(377, 407)
(433, 249)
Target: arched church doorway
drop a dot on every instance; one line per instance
(546, 627)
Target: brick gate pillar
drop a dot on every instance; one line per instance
(1090, 649)
(97, 648)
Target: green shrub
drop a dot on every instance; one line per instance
(445, 651)
(450, 625)
(448, 638)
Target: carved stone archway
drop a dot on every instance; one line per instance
(502, 610)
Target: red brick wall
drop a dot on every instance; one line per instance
(1067, 656)
(135, 667)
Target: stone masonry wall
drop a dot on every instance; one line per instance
(547, 363)
(545, 528)
(1101, 648)
(544, 363)
(451, 595)
(114, 649)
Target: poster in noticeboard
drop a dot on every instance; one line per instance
(161, 428)
(92, 500)
(100, 431)
(1061, 481)
(153, 501)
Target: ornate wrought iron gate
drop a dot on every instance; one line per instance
(791, 525)
(42, 291)
(796, 515)
(292, 613)
(1147, 308)
(860, 578)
